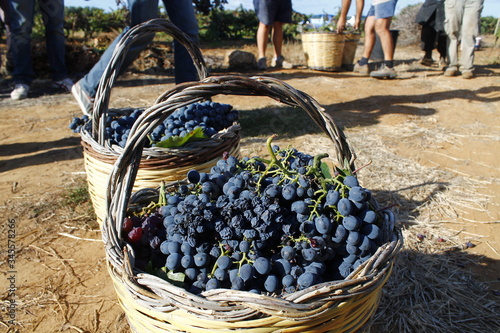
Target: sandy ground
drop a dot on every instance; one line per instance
(448, 129)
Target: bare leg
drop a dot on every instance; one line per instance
(262, 39)
(277, 38)
(369, 36)
(383, 32)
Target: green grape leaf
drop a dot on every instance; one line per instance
(325, 170)
(176, 278)
(176, 141)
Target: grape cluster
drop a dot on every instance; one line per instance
(211, 117)
(266, 226)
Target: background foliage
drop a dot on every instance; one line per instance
(217, 23)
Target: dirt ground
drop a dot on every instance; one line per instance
(447, 128)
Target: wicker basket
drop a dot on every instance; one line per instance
(350, 46)
(157, 163)
(323, 50)
(154, 305)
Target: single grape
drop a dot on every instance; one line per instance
(212, 284)
(224, 262)
(288, 252)
(306, 280)
(246, 272)
(323, 224)
(351, 222)
(344, 207)
(351, 181)
(262, 265)
(272, 283)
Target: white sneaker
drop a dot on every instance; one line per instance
(85, 102)
(20, 91)
(65, 84)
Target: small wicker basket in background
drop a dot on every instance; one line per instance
(152, 304)
(156, 164)
(323, 50)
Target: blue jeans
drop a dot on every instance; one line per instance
(180, 12)
(21, 24)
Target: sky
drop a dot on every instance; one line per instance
(491, 7)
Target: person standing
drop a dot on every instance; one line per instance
(432, 36)
(180, 12)
(378, 22)
(461, 25)
(22, 14)
(272, 15)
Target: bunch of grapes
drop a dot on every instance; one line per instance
(266, 226)
(211, 117)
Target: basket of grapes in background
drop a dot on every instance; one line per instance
(284, 243)
(195, 135)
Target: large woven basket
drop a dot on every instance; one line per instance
(323, 50)
(156, 163)
(154, 305)
(350, 46)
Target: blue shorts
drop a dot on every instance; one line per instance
(382, 9)
(270, 11)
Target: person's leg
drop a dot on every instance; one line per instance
(262, 39)
(140, 11)
(369, 36)
(452, 24)
(469, 32)
(21, 23)
(53, 19)
(181, 13)
(277, 38)
(428, 39)
(382, 29)
(441, 44)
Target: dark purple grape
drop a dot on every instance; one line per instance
(193, 176)
(224, 262)
(246, 272)
(212, 284)
(173, 261)
(351, 181)
(288, 253)
(201, 259)
(344, 207)
(323, 224)
(272, 283)
(357, 193)
(371, 231)
(262, 265)
(306, 280)
(351, 222)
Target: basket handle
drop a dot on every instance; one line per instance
(126, 167)
(112, 71)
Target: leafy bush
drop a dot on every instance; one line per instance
(487, 25)
(228, 24)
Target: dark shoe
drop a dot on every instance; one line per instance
(361, 69)
(85, 102)
(384, 73)
(442, 64)
(262, 64)
(280, 62)
(427, 62)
